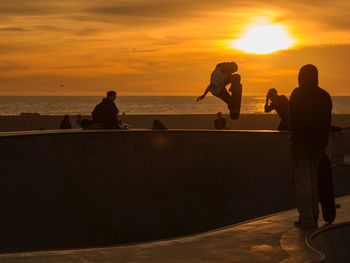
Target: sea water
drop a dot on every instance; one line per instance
(140, 105)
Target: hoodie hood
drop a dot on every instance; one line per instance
(308, 77)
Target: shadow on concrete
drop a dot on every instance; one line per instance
(332, 243)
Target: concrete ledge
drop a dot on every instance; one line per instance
(99, 131)
(68, 189)
(94, 188)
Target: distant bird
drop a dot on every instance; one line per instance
(61, 85)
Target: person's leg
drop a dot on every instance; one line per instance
(232, 105)
(302, 168)
(280, 126)
(316, 158)
(225, 96)
(283, 126)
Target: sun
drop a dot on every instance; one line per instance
(264, 38)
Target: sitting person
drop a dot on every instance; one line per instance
(65, 124)
(106, 112)
(78, 119)
(158, 125)
(279, 103)
(220, 122)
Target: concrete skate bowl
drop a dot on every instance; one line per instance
(332, 243)
(75, 189)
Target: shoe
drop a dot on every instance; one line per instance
(307, 225)
(234, 114)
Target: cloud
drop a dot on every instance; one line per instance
(135, 50)
(333, 14)
(26, 7)
(14, 29)
(177, 40)
(8, 47)
(83, 66)
(50, 28)
(87, 31)
(12, 66)
(153, 9)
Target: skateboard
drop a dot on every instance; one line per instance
(235, 106)
(325, 190)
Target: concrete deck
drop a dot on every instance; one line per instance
(332, 243)
(268, 239)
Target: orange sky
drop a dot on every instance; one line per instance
(163, 47)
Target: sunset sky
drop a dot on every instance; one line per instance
(164, 47)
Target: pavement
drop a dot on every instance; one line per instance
(269, 239)
(332, 243)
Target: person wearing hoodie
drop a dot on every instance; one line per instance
(106, 112)
(310, 109)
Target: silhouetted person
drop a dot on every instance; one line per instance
(220, 122)
(279, 103)
(78, 119)
(310, 110)
(106, 112)
(158, 125)
(223, 75)
(333, 128)
(65, 124)
(325, 185)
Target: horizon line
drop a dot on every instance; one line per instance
(139, 95)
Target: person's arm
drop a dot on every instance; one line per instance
(117, 113)
(294, 112)
(216, 124)
(269, 108)
(110, 116)
(205, 93)
(328, 114)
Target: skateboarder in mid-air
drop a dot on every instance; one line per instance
(223, 75)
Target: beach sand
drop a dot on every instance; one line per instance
(245, 122)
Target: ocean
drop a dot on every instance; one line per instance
(137, 105)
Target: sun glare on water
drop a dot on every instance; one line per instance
(264, 38)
